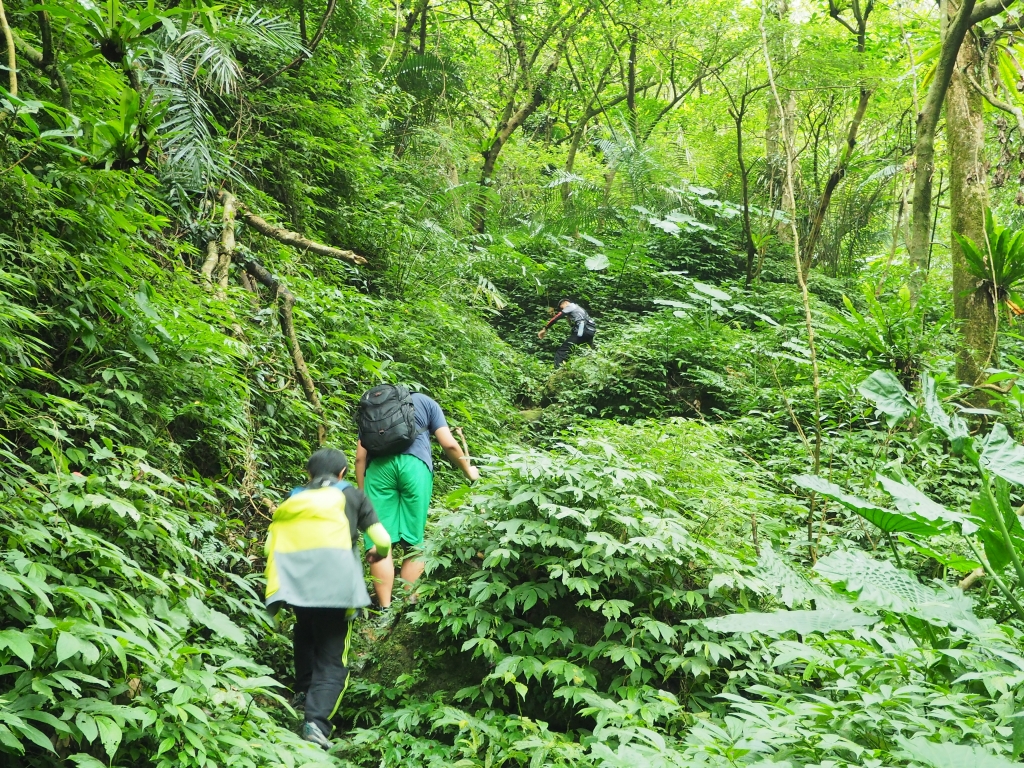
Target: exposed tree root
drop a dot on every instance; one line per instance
(968, 581)
(215, 271)
(294, 239)
(286, 298)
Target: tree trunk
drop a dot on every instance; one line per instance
(811, 241)
(965, 136)
(960, 20)
(748, 235)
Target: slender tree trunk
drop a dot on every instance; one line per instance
(960, 19)
(423, 27)
(570, 160)
(811, 241)
(748, 235)
(965, 135)
(12, 60)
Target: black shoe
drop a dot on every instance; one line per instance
(299, 701)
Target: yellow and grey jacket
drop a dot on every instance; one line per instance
(312, 559)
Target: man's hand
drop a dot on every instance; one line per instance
(473, 474)
(542, 333)
(372, 556)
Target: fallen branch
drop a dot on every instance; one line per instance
(287, 300)
(46, 59)
(968, 581)
(215, 270)
(288, 237)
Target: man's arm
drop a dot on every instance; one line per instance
(360, 464)
(381, 543)
(557, 316)
(455, 454)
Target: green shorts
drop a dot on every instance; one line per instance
(400, 488)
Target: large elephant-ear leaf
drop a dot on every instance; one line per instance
(936, 755)
(889, 396)
(801, 622)
(791, 585)
(910, 501)
(952, 426)
(888, 520)
(1003, 456)
(879, 584)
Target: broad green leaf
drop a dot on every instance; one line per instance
(801, 622)
(9, 740)
(953, 427)
(996, 547)
(881, 585)
(87, 725)
(19, 645)
(910, 501)
(888, 520)
(711, 291)
(1003, 456)
(951, 755)
(144, 347)
(68, 645)
(82, 760)
(889, 396)
(950, 560)
(110, 734)
(597, 262)
(215, 620)
(34, 735)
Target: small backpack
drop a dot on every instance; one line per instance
(387, 420)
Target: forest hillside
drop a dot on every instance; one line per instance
(771, 519)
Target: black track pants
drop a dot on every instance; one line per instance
(571, 341)
(321, 654)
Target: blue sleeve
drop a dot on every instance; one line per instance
(435, 417)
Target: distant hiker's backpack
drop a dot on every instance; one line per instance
(387, 420)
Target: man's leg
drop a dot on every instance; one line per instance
(382, 487)
(563, 351)
(417, 487)
(330, 671)
(383, 573)
(302, 645)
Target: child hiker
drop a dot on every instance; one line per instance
(313, 566)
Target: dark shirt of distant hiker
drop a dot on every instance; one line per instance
(582, 331)
(313, 566)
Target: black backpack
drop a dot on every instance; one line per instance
(387, 420)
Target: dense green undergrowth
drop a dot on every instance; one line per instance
(685, 549)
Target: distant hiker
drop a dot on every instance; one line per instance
(313, 566)
(395, 468)
(582, 331)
